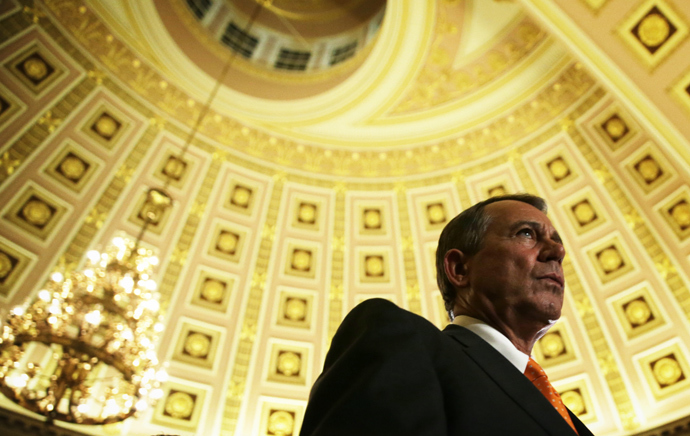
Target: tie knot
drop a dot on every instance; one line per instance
(534, 370)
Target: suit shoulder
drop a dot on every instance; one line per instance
(378, 327)
(379, 319)
(378, 311)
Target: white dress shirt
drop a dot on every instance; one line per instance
(496, 339)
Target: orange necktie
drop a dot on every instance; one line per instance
(537, 376)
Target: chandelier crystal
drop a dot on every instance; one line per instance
(83, 350)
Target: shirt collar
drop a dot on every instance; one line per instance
(496, 339)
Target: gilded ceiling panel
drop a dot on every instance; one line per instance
(182, 406)
(15, 263)
(681, 92)
(652, 31)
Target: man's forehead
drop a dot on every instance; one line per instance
(506, 212)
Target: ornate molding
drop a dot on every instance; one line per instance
(679, 427)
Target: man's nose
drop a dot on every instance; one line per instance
(552, 250)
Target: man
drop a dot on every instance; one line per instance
(390, 372)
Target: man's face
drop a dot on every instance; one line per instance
(517, 273)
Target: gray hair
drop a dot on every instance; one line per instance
(466, 232)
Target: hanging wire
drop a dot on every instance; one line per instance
(293, 31)
(221, 77)
(159, 198)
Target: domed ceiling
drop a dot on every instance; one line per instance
(311, 185)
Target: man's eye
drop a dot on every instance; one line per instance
(526, 232)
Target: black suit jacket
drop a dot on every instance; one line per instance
(391, 372)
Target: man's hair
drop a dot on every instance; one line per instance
(466, 233)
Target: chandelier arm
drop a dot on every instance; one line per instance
(101, 355)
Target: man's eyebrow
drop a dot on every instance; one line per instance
(516, 225)
(537, 226)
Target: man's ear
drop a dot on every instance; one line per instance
(455, 264)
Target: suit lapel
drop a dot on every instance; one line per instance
(582, 429)
(513, 383)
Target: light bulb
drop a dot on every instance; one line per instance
(127, 283)
(153, 305)
(15, 381)
(93, 256)
(162, 375)
(111, 408)
(93, 317)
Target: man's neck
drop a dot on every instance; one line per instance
(523, 338)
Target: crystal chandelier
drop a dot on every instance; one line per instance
(82, 350)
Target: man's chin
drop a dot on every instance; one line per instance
(546, 328)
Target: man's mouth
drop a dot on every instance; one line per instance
(557, 279)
